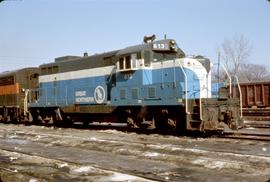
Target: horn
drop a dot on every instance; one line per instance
(149, 38)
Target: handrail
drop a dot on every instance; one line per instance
(230, 79)
(207, 83)
(201, 107)
(186, 97)
(207, 94)
(66, 97)
(46, 96)
(25, 103)
(174, 76)
(240, 95)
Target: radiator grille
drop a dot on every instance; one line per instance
(135, 93)
(123, 94)
(151, 92)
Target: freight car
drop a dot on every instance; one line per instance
(255, 94)
(13, 101)
(255, 100)
(151, 83)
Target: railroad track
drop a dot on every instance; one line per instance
(250, 132)
(262, 134)
(256, 117)
(257, 124)
(253, 130)
(76, 170)
(247, 137)
(135, 154)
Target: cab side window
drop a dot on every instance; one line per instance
(121, 63)
(127, 62)
(134, 61)
(127, 59)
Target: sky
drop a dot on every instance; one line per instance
(33, 32)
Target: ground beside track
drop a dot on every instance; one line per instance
(38, 153)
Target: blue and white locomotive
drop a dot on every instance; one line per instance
(149, 83)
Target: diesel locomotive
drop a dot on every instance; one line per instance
(153, 83)
(13, 101)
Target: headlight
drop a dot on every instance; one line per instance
(173, 45)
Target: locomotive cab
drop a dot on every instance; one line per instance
(138, 71)
(135, 57)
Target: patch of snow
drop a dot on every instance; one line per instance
(176, 149)
(103, 140)
(216, 164)
(37, 137)
(84, 169)
(199, 161)
(93, 139)
(195, 150)
(151, 154)
(13, 158)
(33, 180)
(17, 148)
(12, 136)
(62, 165)
(122, 177)
(111, 131)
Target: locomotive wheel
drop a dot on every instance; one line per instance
(160, 123)
(85, 123)
(168, 120)
(57, 117)
(29, 118)
(172, 123)
(68, 122)
(166, 124)
(131, 123)
(48, 120)
(39, 119)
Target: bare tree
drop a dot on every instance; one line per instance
(253, 72)
(234, 53)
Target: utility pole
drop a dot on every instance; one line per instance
(218, 66)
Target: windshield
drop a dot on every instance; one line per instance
(162, 56)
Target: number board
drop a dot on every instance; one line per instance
(161, 47)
